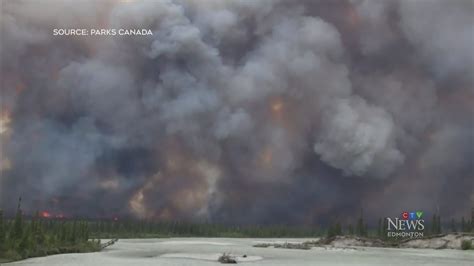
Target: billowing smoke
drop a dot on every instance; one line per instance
(358, 139)
(238, 111)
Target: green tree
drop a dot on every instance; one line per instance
(463, 225)
(37, 232)
(2, 233)
(379, 228)
(360, 229)
(350, 229)
(434, 227)
(18, 224)
(385, 229)
(338, 229)
(73, 236)
(438, 225)
(471, 224)
(63, 233)
(25, 242)
(453, 226)
(331, 232)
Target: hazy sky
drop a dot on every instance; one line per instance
(238, 111)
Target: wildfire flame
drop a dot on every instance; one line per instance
(278, 110)
(137, 204)
(184, 199)
(277, 106)
(266, 157)
(48, 215)
(4, 121)
(5, 131)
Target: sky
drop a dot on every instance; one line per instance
(242, 112)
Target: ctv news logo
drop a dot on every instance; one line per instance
(409, 224)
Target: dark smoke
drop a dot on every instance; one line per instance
(239, 111)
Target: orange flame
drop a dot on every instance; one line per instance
(45, 214)
(4, 121)
(5, 132)
(277, 106)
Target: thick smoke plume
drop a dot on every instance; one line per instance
(238, 111)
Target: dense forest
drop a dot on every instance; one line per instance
(29, 236)
(22, 238)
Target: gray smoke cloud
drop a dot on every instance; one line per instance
(238, 111)
(359, 139)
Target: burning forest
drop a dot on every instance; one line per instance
(242, 112)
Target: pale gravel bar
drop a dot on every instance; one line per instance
(204, 251)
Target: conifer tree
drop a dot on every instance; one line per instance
(18, 224)
(385, 229)
(73, 236)
(350, 229)
(463, 225)
(433, 225)
(379, 228)
(453, 226)
(25, 241)
(37, 229)
(360, 230)
(63, 233)
(2, 233)
(471, 224)
(338, 229)
(331, 231)
(438, 225)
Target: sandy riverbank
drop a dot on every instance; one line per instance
(204, 251)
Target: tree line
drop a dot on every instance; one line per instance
(21, 238)
(144, 229)
(435, 227)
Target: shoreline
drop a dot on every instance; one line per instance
(304, 243)
(202, 251)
